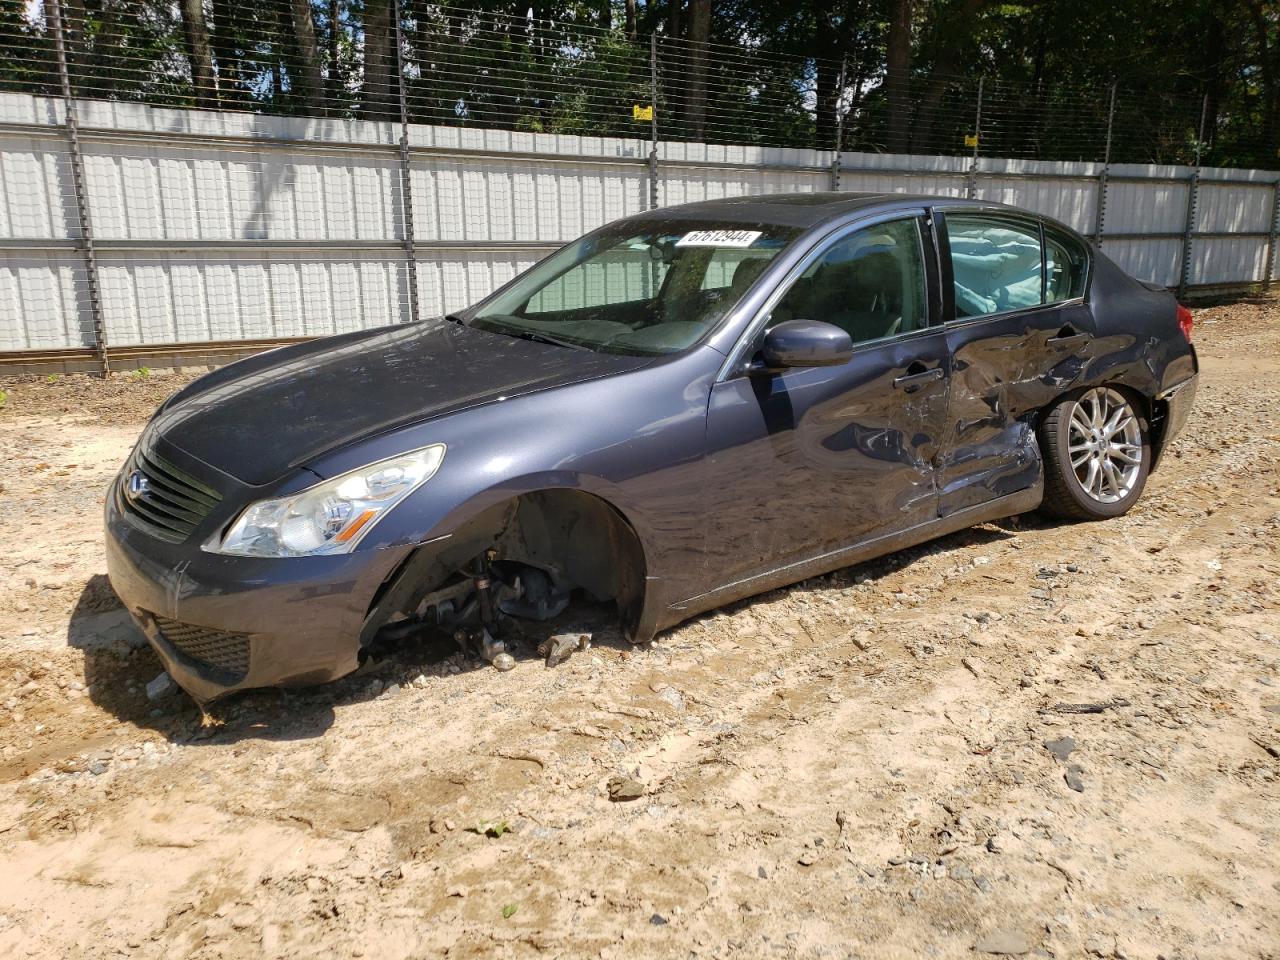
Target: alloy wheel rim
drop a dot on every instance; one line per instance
(1104, 442)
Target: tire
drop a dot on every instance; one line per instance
(1089, 473)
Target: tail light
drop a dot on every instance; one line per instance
(1185, 321)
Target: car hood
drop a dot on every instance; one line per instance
(273, 412)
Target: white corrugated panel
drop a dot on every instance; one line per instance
(547, 189)
(43, 302)
(930, 184)
(36, 195)
(1234, 207)
(693, 184)
(1156, 260)
(1158, 207)
(1071, 201)
(194, 296)
(214, 194)
(451, 280)
(483, 199)
(1228, 260)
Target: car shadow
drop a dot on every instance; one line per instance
(119, 663)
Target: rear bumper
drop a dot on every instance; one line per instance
(222, 624)
(1178, 402)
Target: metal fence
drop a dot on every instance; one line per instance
(130, 229)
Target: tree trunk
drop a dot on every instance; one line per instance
(631, 19)
(898, 75)
(606, 14)
(696, 87)
(379, 61)
(335, 66)
(199, 53)
(674, 8)
(308, 77)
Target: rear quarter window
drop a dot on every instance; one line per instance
(1066, 266)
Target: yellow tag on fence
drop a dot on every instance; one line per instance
(641, 113)
(970, 140)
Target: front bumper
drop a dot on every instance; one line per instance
(222, 624)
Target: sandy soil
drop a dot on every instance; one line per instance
(852, 767)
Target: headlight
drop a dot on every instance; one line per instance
(332, 516)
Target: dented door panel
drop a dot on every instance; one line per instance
(813, 459)
(1004, 370)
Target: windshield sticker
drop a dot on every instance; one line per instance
(719, 238)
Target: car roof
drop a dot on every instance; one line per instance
(807, 210)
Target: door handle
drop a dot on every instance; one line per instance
(916, 377)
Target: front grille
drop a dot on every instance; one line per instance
(161, 499)
(228, 652)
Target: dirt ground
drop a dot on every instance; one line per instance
(857, 766)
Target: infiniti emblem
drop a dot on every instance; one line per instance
(136, 485)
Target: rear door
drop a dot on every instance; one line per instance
(805, 461)
(1018, 333)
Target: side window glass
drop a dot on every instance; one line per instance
(870, 283)
(1065, 265)
(995, 263)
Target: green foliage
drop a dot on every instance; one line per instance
(509, 911)
(4, 398)
(142, 373)
(771, 74)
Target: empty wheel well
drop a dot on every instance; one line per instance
(578, 538)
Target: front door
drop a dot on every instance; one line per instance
(806, 461)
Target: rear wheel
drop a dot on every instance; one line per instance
(1097, 452)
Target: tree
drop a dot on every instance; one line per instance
(381, 65)
(199, 54)
(696, 99)
(898, 74)
(913, 67)
(309, 78)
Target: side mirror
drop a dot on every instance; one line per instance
(805, 343)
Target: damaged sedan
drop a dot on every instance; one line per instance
(681, 409)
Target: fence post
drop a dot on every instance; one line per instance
(653, 120)
(1193, 198)
(78, 186)
(406, 178)
(1100, 206)
(835, 159)
(977, 137)
(1271, 240)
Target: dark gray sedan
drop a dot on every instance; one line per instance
(681, 409)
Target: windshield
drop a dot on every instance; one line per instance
(636, 288)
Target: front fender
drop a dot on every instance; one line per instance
(426, 516)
